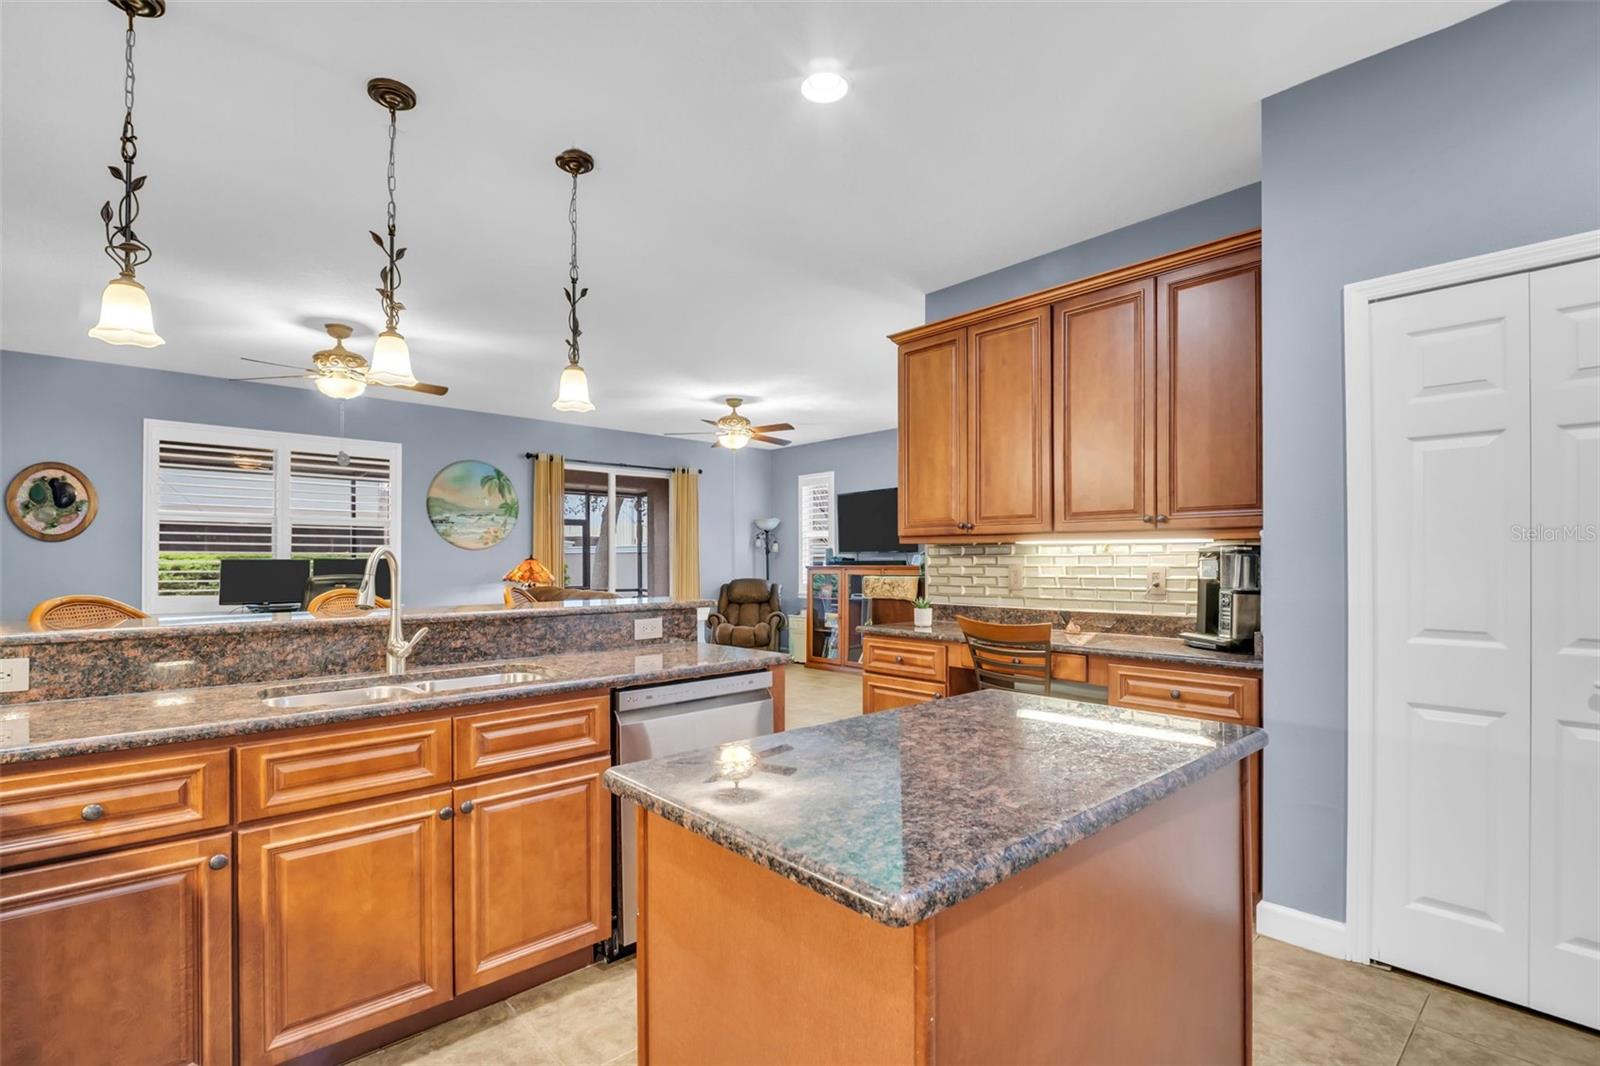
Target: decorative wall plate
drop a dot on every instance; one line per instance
(52, 501)
(472, 504)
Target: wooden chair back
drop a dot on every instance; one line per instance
(339, 603)
(1015, 658)
(81, 612)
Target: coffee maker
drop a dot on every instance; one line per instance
(1228, 611)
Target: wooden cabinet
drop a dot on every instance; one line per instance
(1199, 693)
(532, 870)
(125, 957)
(880, 693)
(311, 772)
(1208, 395)
(1105, 373)
(919, 659)
(527, 733)
(837, 606)
(1126, 402)
(345, 923)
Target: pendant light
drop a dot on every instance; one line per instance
(391, 359)
(125, 316)
(573, 394)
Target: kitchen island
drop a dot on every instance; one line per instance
(989, 878)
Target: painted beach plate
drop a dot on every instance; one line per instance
(51, 501)
(472, 504)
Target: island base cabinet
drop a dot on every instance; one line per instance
(345, 924)
(124, 958)
(533, 870)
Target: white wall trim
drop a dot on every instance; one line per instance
(1358, 299)
(1310, 931)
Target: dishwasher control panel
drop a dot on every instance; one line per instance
(701, 689)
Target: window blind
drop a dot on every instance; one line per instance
(214, 501)
(337, 509)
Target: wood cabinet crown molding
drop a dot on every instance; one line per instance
(1160, 264)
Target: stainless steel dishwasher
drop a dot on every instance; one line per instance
(663, 720)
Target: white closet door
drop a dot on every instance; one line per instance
(1450, 437)
(1564, 972)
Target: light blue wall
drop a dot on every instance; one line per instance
(1220, 216)
(866, 461)
(91, 415)
(1483, 136)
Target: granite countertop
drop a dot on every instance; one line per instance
(146, 719)
(1117, 645)
(173, 625)
(902, 814)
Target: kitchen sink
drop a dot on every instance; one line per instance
(326, 694)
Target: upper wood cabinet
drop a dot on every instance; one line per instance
(126, 957)
(1126, 402)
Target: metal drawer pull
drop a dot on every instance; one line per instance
(218, 862)
(1176, 694)
(93, 812)
(1147, 518)
(446, 813)
(899, 658)
(466, 806)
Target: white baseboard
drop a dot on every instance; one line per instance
(1310, 931)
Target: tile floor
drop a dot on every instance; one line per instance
(1309, 1009)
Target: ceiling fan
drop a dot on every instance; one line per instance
(733, 430)
(338, 372)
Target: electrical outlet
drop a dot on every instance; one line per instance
(647, 629)
(1155, 581)
(645, 664)
(14, 675)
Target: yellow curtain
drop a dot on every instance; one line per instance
(685, 535)
(549, 483)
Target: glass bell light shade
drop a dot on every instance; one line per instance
(391, 360)
(125, 315)
(340, 387)
(573, 394)
(734, 438)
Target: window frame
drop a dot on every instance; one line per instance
(803, 538)
(611, 474)
(282, 444)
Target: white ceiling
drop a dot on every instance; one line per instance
(737, 239)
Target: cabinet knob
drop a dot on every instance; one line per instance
(218, 862)
(93, 812)
(1015, 661)
(466, 806)
(1175, 694)
(899, 658)
(1161, 518)
(446, 813)
(1147, 518)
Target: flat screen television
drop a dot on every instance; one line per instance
(262, 582)
(870, 522)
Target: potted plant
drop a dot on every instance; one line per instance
(922, 613)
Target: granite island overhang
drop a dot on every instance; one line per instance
(991, 877)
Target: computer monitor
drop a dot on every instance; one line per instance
(263, 583)
(346, 573)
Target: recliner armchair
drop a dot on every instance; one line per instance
(748, 615)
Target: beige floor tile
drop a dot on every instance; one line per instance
(813, 697)
(1509, 1030)
(1298, 1022)
(587, 1018)
(1430, 1047)
(493, 1036)
(1338, 984)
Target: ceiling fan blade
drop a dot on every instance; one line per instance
(278, 377)
(708, 421)
(764, 439)
(776, 427)
(421, 386)
(691, 433)
(269, 362)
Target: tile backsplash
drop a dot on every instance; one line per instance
(1110, 577)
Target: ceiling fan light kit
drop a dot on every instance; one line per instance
(125, 314)
(572, 393)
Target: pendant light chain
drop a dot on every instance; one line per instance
(390, 274)
(123, 246)
(573, 293)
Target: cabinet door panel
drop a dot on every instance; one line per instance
(1008, 403)
(533, 870)
(344, 924)
(1105, 371)
(1208, 394)
(879, 693)
(122, 958)
(933, 452)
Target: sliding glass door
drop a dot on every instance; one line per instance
(616, 531)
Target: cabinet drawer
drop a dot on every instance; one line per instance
(519, 735)
(904, 658)
(1226, 697)
(282, 776)
(880, 693)
(47, 814)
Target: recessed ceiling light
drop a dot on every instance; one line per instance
(824, 87)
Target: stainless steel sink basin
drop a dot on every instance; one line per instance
(288, 697)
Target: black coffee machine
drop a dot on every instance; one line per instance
(1228, 607)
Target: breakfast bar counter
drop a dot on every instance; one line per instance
(1064, 881)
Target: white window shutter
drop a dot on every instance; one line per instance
(816, 522)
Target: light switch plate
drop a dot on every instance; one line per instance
(647, 629)
(1156, 581)
(14, 675)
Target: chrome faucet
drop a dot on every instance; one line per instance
(397, 648)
